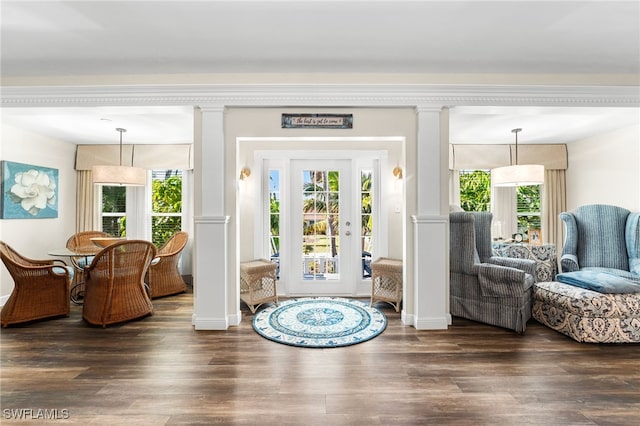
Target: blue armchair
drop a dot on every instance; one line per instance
(602, 238)
(596, 297)
(486, 288)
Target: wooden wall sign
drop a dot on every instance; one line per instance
(317, 121)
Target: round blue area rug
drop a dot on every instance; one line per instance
(320, 322)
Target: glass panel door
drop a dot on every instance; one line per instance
(322, 227)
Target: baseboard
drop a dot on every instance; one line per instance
(210, 323)
(432, 323)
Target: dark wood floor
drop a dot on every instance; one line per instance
(159, 371)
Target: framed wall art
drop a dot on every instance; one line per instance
(28, 191)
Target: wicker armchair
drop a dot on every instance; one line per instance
(78, 242)
(41, 288)
(115, 289)
(163, 277)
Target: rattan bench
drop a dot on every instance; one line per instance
(258, 283)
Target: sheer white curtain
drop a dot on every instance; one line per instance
(454, 187)
(504, 207)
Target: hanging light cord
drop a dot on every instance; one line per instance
(121, 130)
(516, 131)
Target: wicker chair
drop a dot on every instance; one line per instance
(163, 277)
(78, 242)
(115, 289)
(41, 288)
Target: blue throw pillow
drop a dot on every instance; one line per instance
(633, 242)
(60, 270)
(602, 282)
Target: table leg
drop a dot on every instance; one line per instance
(77, 293)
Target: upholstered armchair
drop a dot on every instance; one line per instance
(41, 288)
(164, 278)
(115, 289)
(484, 288)
(602, 238)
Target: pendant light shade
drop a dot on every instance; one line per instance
(518, 174)
(119, 175)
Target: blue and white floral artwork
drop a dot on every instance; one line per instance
(28, 192)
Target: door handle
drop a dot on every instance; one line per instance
(347, 233)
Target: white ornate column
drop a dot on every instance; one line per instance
(210, 242)
(430, 223)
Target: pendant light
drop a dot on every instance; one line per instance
(518, 174)
(119, 175)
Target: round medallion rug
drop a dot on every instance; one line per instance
(320, 322)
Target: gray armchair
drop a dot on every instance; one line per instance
(602, 238)
(484, 288)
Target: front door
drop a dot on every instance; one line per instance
(324, 235)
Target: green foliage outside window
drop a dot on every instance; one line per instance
(529, 208)
(274, 219)
(166, 198)
(114, 200)
(475, 196)
(475, 191)
(166, 201)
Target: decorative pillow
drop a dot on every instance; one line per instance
(632, 233)
(60, 270)
(602, 282)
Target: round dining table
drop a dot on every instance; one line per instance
(77, 291)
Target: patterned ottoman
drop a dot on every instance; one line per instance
(587, 316)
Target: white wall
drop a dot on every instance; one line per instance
(605, 169)
(35, 237)
(367, 123)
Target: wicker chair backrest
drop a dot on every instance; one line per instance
(175, 244)
(83, 239)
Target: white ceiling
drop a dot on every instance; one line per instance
(49, 39)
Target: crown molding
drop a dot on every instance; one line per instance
(342, 95)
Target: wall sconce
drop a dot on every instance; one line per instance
(397, 172)
(245, 173)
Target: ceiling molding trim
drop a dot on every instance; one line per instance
(320, 94)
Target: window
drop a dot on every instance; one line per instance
(113, 212)
(274, 214)
(166, 205)
(528, 211)
(366, 220)
(475, 195)
(475, 190)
